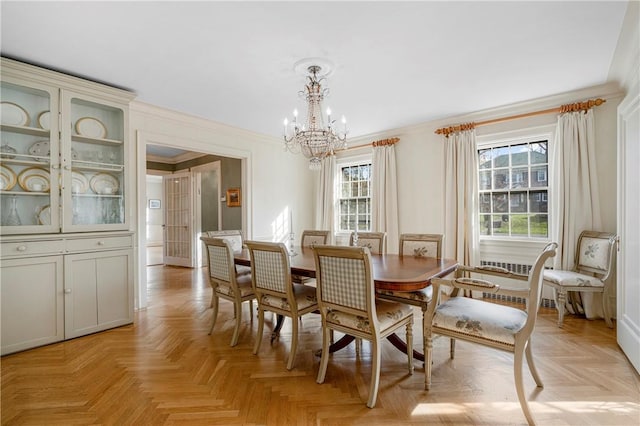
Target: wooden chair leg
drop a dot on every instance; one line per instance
(256, 346)
(605, 309)
(424, 330)
(375, 374)
(517, 372)
(452, 348)
(562, 297)
(409, 339)
(532, 365)
(324, 358)
(294, 343)
(428, 359)
(214, 313)
(236, 329)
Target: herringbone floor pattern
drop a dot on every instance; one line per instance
(166, 370)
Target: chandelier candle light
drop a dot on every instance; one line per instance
(313, 138)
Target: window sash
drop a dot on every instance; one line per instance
(513, 189)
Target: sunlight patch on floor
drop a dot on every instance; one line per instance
(581, 407)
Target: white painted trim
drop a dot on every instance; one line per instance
(221, 130)
(177, 141)
(605, 91)
(186, 156)
(627, 286)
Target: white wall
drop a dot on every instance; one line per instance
(155, 217)
(273, 181)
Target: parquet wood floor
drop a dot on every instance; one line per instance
(166, 370)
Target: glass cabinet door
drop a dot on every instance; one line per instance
(29, 159)
(94, 158)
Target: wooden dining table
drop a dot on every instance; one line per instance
(390, 272)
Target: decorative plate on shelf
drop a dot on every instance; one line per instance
(44, 215)
(13, 114)
(41, 149)
(105, 183)
(79, 183)
(34, 179)
(43, 120)
(91, 128)
(8, 178)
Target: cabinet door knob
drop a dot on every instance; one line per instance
(21, 248)
(100, 243)
(67, 291)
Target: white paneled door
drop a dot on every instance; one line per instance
(178, 221)
(628, 289)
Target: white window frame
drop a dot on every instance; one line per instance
(513, 138)
(342, 162)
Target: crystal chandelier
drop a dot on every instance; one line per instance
(313, 138)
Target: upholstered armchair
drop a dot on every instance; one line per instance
(592, 272)
(489, 324)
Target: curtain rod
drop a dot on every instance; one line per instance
(381, 142)
(577, 106)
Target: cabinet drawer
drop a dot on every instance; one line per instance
(99, 243)
(29, 248)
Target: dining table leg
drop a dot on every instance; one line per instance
(402, 346)
(395, 340)
(276, 330)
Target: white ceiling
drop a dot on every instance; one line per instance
(396, 63)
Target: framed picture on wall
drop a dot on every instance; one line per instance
(233, 197)
(154, 204)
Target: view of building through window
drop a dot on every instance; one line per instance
(355, 197)
(513, 184)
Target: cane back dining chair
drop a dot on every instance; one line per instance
(346, 298)
(418, 245)
(375, 241)
(309, 239)
(489, 324)
(271, 273)
(592, 272)
(226, 283)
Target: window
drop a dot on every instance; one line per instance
(354, 198)
(513, 186)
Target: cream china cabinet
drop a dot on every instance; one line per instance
(65, 219)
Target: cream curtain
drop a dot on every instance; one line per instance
(461, 218)
(575, 194)
(325, 199)
(384, 194)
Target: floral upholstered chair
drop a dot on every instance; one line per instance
(375, 241)
(418, 245)
(347, 304)
(592, 272)
(271, 272)
(489, 324)
(312, 238)
(226, 282)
